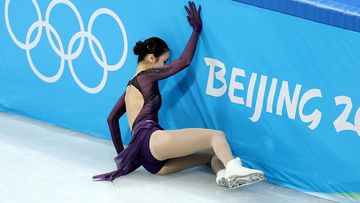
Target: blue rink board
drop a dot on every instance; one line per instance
(340, 13)
(242, 50)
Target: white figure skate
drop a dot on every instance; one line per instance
(239, 176)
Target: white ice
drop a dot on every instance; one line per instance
(45, 163)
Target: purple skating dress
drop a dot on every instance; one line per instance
(137, 153)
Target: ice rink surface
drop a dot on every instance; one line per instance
(45, 163)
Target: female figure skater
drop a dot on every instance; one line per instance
(167, 151)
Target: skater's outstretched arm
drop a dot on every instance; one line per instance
(162, 72)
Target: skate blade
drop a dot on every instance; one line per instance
(222, 182)
(240, 182)
(245, 177)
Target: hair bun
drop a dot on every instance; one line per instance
(139, 47)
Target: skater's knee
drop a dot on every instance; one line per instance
(219, 133)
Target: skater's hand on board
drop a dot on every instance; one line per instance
(193, 17)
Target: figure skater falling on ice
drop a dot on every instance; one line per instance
(162, 151)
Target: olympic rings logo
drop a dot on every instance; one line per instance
(70, 55)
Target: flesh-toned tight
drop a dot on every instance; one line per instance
(190, 147)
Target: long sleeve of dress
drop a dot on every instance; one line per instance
(113, 122)
(162, 72)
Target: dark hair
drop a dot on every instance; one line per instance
(153, 45)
